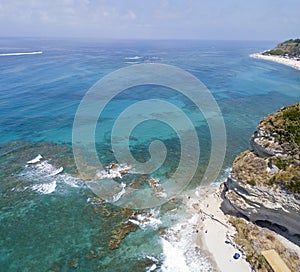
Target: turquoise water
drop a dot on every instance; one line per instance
(53, 223)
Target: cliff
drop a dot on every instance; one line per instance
(264, 184)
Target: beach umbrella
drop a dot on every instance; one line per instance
(236, 256)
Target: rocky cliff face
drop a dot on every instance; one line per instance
(264, 184)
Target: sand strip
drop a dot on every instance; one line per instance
(286, 61)
(215, 234)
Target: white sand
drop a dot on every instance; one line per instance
(289, 62)
(214, 229)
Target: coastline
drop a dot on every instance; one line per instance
(214, 232)
(282, 60)
(215, 236)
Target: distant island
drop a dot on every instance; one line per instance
(287, 53)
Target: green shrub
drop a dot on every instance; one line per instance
(294, 186)
(277, 52)
(251, 182)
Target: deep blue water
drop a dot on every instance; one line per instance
(39, 96)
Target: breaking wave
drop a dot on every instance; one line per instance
(21, 53)
(133, 58)
(181, 252)
(46, 178)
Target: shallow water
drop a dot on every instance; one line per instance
(53, 222)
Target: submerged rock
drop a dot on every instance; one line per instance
(120, 233)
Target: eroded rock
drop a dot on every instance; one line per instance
(264, 184)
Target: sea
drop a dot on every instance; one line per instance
(50, 218)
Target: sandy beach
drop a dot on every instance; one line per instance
(289, 62)
(215, 234)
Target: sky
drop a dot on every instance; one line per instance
(152, 19)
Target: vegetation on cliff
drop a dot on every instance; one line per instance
(254, 239)
(265, 182)
(290, 48)
(285, 125)
(274, 158)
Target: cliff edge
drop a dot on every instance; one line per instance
(264, 183)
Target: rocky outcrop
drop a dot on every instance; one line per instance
(264, 184)
(262, 203)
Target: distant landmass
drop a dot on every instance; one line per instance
(289, 48)
(287, 53)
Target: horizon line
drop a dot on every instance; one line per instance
(138, 39)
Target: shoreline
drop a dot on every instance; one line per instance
(214, 233)
(282, 60)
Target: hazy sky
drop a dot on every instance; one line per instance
(148, 19)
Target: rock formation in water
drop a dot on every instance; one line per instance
(264, 184)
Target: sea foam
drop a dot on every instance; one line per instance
(114, 171)
(133, 58)
(21, 53)
(36, 159)
(117, 196)
(45, 188)
(146, 220)
(181, 253)
(174, 258)
(46, 177)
